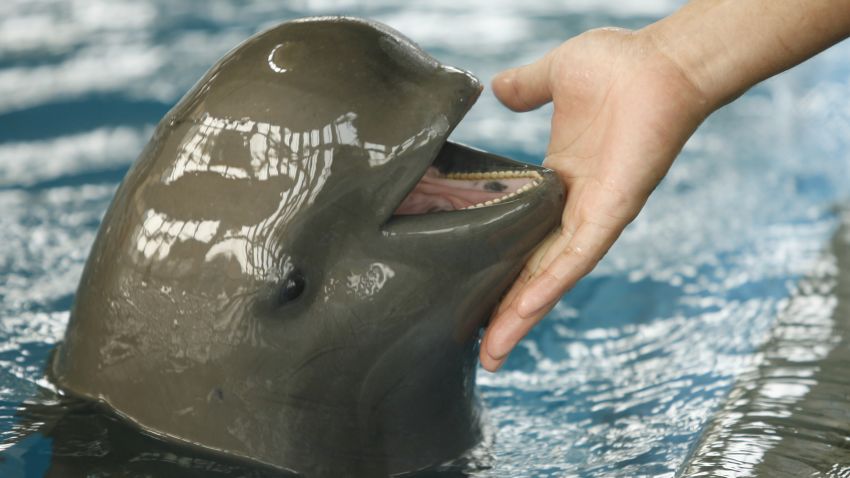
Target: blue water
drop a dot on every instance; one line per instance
(622, 376)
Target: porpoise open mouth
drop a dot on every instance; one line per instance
(463, 178)
(438, 191)
(460, 177)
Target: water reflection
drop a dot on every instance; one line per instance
(244, 152)
(157, 233)
(304, 158)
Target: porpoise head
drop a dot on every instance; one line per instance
(297, 268)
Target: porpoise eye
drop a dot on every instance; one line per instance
(291, 288)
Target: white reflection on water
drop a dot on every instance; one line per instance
(622, 377)
(24, 163)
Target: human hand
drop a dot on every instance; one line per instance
(622, 112)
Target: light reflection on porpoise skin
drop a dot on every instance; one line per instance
(263, 287)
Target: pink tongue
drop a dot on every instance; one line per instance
(436, 193)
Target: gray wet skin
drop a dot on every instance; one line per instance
(251, 291)
(789, 417)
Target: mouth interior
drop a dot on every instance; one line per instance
(452, 191)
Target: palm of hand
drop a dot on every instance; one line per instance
(622, 112)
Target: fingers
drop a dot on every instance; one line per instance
(526, 87)
(514, 291)
(504, 333)
(532, 266)
(588, 244)
(568, 258)
(503, 336)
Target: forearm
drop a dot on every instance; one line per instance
(725, 46)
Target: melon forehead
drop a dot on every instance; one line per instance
(306, 74)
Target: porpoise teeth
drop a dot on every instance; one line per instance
(535, 177)
(524, 188)
(495, 175)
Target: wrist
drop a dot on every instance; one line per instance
(724, 47)
(699, 57)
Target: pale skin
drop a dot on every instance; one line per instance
(625, 102)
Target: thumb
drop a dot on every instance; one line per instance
(526, 87)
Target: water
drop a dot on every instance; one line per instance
(624, 376)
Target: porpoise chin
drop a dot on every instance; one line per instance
(297, 268)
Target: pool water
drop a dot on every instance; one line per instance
(621, 379)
